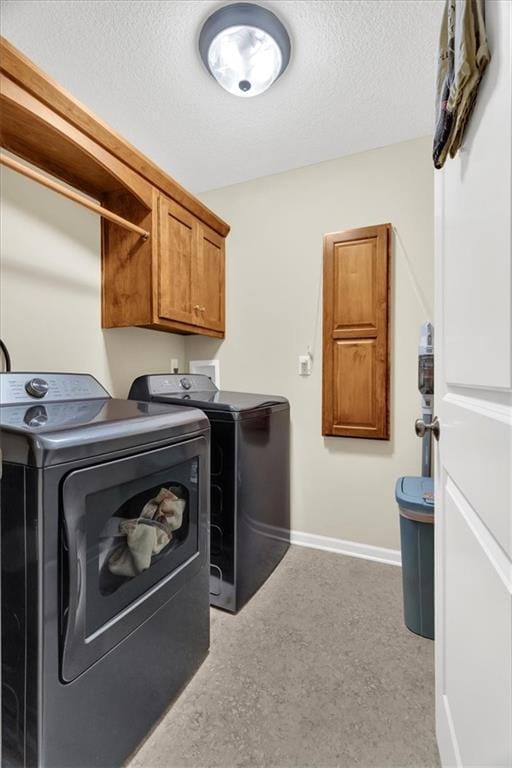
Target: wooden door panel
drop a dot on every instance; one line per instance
(178, 232)
(354, 401)
(355, 286)
(175, 269)
(356, 344)
(208, 279)
(208, 287)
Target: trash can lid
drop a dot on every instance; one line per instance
(415, 494)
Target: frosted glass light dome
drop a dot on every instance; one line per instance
(244, 60)
(245, 48)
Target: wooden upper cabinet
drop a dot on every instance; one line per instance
(356, 333)
(172, 282)
(190, 270)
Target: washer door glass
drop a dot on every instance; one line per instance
(134, 530)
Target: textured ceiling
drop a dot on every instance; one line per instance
(361, 76)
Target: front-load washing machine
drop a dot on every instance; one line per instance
(105, 571)
(250, 479)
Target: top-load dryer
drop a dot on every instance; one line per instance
(250, 479)
(105, 571)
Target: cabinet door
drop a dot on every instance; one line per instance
(356, 346)
(178, 236)
(208, 279)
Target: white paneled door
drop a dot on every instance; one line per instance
(474, 406)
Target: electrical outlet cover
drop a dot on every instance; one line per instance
(305, 365)
(210, 368)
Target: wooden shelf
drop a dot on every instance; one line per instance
(20, 70)
(33, 131)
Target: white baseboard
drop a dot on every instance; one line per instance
(351, 548)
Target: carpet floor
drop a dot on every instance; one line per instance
(316, 671)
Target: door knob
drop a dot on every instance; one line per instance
(421, 428)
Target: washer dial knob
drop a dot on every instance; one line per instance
(36, 416)
(36, 387)
(185, 383)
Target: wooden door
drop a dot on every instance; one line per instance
(473, 401)
(356, 345)
(178, 237)
(208, 279)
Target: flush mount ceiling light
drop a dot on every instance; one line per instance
(245, 48)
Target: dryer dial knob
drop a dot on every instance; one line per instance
(36, 387)
(185, 383)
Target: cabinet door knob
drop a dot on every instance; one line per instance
(421, 428)
(203, 309)
(197, 308)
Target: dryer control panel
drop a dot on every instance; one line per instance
(49, 387)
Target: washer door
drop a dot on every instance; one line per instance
(134, 531)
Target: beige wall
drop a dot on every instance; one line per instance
(50, 313)
(50, 293)
(341, 487)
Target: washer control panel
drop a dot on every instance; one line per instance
(50, 415)
(49, 387)
(167, 384)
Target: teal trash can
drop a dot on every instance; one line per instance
(415, 497)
